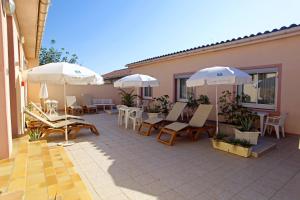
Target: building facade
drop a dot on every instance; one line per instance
(271, 58)
(22, 25)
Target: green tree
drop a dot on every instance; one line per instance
(51, 54)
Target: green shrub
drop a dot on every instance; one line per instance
(34, 134)
(247, 121)
(203, 99)
(164, 103)
(153, 108)
(231, 107)
(242, 143)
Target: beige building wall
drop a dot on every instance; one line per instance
(281, 52)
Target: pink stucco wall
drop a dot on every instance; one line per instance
(106, 91)
(281, 52)
(5, 123)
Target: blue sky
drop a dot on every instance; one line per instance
(108, 34)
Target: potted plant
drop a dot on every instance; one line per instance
(164, 103)
(34, 134)
(203, 99)
(153, 110)
(246, 130)
(127, 98)
(231, 145)
(230, 111)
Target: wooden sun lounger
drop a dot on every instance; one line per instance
(73, 125)
(173, 115)
(54, 118)
(195, 126)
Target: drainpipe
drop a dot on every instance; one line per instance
(41, 22)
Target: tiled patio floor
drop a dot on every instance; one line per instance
(120, 164)
(39, 172)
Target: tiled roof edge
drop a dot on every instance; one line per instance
(215, 44)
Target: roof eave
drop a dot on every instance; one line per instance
(232, 44)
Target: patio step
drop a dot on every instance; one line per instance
(40, 172)
(262, 147)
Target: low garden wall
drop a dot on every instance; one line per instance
(106, 91)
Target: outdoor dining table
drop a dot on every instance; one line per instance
(262, 116)
(126, 110)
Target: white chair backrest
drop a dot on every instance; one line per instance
(282, 119)
(136, 112)
(71, 100)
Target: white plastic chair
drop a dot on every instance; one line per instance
(136, 116)
(277, 122)
(122, 113)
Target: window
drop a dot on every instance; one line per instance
(183, 92)
(262, 93)
(147, 92)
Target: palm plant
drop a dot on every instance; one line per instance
(127, 98)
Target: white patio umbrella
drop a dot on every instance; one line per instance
(218, 75)
(65, 74)
(136, 81)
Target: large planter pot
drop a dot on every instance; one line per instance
(234, 149)
(227, 129)
(152, 115)
(249, 136)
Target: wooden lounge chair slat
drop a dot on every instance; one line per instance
(54, 118)
(176, 126)
(73, 125)
(196, 124)
(175, 111)
(173, 115)
(153, 120)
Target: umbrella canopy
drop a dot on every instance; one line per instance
(136, 80)
(43, 91)
(218, 75)
(61, 73)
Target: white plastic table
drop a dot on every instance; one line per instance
(262, 116)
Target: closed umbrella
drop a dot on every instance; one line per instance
(136, 81)
(218, 75)
(63, 73)
(43, 93)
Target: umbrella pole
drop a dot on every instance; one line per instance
(217, 111)
(65, 101)
(137, 97)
